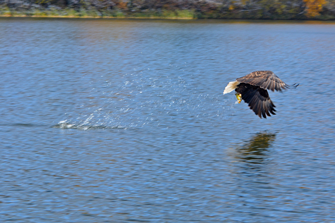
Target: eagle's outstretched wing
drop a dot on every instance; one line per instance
(258, 99)
(264, 79)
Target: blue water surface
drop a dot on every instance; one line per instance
(117, 121)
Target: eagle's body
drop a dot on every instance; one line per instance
(253, 87)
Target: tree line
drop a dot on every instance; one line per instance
(214, 9)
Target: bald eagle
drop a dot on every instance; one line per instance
(253, 87)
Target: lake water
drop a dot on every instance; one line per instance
(117, 121)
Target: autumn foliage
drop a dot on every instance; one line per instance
(313, 7)
(189, 9)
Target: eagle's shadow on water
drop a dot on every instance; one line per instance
(255, 150)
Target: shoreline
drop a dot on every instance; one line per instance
(184, 14)
(236, 20)
(97, 17)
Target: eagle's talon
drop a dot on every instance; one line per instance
(238, 97)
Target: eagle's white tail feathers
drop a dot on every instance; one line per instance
(230, 87)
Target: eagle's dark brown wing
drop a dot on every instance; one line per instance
(258, 99)
(264, 79)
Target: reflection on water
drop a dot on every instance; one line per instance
(255, 149)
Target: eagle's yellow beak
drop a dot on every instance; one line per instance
(239, 97)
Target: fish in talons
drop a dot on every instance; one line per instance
(238, 97)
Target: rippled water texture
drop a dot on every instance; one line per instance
(116, 121)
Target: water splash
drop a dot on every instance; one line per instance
(145, 98)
